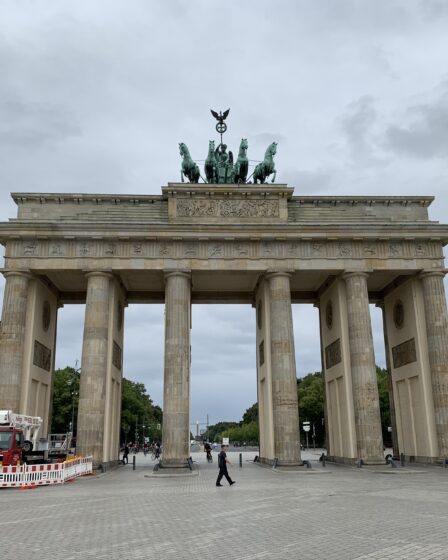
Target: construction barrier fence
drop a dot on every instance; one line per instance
(26, 476)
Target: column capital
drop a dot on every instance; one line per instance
(278, 273)
(183, 273)
(438, 272)
(22, 273)
(354, 273)
(101, 273)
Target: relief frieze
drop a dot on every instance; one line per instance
(224, 248)
(228, 208)
(333, 354)
(29, 248)
(58, 250)
(404, 353)
(117, 355)
(42, 356)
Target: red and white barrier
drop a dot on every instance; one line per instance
(26, 476)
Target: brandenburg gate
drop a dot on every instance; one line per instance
(234, 243)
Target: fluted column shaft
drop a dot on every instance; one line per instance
(283, 364)
(12, 338)
(176, 390)
(92, 391)
(363, 370)
(437, 333)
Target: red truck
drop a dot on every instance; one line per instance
(18, 436)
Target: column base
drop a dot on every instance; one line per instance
(174, 464)
(353, 461)
(270, 462)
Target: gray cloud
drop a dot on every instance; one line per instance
(425, 131)
(33, 125)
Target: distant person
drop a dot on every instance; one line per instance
(126, 454)
(157, 449)
(222, 464)
(208, 452)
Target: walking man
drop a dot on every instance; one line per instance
(125, 454)
(222, 463)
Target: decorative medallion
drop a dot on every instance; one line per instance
(329, 314)
(398, 314)
(46, 316)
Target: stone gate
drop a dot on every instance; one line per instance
(253, 244)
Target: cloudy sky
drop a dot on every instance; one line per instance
(95, 96)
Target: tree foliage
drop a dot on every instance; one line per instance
(251, 414)
(246, 433)
(65, 400)
(215, 432)
(311, 407)
(383, 391)
(137, 408)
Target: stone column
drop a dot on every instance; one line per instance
(12, 338)
(92, 390)
(437, 333)
(366, 404)
(283, 364)
(176, 390)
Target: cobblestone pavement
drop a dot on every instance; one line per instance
(327, 513)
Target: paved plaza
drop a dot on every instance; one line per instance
(328, 513)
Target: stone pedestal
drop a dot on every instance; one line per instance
(176, 394)
(437, 332)
(12, 338)
(283, 367)
(92, 393)
(363, 371)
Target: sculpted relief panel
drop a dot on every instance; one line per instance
(227, 208)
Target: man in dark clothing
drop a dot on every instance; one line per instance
(222, 464)
(125, 454)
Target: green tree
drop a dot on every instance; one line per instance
(138, 410)
(216, 430)
(251, 414)
(311, 406)
(65, 400)
(383, 392)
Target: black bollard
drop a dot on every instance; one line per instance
(133, 463)
(359, 463)
(322, 458)
(445, 463)
(402, 459)
(241, 459)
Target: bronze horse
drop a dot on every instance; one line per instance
(266, 167)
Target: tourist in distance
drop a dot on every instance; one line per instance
(125, 454)
(208, 452)
(222, 464)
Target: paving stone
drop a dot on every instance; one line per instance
(344, 514)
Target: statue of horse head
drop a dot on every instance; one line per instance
(183, 149)
(272, 149)
(211, 146)
(243, 145)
